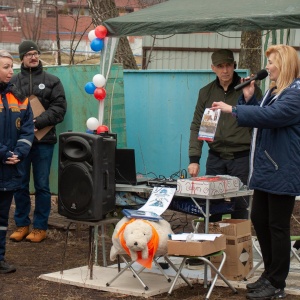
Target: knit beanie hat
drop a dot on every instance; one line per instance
(27, 46)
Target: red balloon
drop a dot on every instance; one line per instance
(102, 128)
(100, 93)
(100, 31)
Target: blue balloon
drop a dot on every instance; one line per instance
(90, 88)
(97, 44)
(89, 131)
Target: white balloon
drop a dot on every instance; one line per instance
(92, 123)
(92, 35)
(99, 80)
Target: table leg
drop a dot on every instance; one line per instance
(65, 249)
(96, 230)
(206, 230)
(206, 225)
(91, 250)
(103, 245)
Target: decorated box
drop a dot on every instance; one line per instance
(208, 185)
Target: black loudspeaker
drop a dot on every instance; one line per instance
(86, 176)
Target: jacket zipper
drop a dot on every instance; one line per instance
(30, 82)
(272, 161)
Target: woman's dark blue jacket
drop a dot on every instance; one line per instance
(16, 134)
(275, 151)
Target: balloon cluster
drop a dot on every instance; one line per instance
(96, 37)
(96, 87)
(93, 125)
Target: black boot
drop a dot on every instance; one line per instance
(6, 268)
(266, 292)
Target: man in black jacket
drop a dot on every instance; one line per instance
(229, 151)
(34, 81)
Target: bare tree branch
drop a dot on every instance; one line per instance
(102, 10)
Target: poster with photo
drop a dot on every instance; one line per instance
(209, 124)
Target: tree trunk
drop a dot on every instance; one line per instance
(102, 10)
(250, 55)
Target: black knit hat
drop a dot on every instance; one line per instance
(27, 46)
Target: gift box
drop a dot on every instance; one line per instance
(208, 185)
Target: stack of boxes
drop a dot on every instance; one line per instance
(239, 254)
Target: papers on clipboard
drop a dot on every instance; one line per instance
(141, 214)
(37, 109)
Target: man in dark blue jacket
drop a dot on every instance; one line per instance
(34, 81)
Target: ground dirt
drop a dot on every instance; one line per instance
(33, 260)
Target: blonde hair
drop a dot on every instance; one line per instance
(4, 53)
(287, 62)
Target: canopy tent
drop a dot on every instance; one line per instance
(187, 16)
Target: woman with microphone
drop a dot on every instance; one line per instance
(274, 164)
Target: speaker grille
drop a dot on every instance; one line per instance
(76, 188)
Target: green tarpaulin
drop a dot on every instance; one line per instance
(187, 16)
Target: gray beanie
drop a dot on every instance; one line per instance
(27, 46)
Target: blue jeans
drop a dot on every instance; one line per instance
(5, 202)
(40, 157)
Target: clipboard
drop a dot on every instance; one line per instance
(38, 109)
(141, 214)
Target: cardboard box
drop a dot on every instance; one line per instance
(194, 248)
(239, 257)
(231, 227)
(208, 185)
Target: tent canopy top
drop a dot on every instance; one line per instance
(188, 16)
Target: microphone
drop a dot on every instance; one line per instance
(262, 74)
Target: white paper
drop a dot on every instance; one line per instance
(194, 236)
(159, 200)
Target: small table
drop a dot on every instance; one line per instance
(93, 240)
(147, 189)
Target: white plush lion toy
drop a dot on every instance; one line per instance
(140, 239)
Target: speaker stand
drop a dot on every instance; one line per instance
(93, 241)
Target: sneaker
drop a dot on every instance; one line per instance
(256, 285)
(266, 292)
(36, 236)
(6, 268)
(19, 234)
